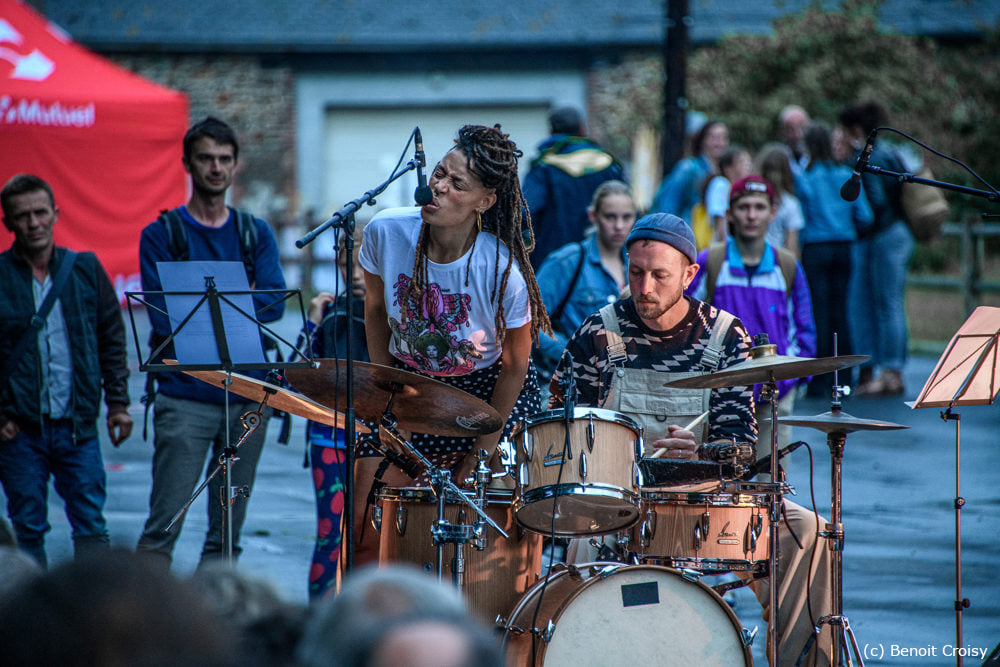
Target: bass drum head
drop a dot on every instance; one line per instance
(642, 615)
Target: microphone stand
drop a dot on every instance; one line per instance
(344, 219)
(906, 177)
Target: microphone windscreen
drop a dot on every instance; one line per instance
(850, 190)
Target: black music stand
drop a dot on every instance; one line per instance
(208, 317)
(968, 373)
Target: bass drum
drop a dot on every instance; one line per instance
(607, 614)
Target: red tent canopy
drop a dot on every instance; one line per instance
(107, 140)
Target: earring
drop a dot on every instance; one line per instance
(479, 220)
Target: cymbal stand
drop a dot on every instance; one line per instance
(769, 390)
(228, 493)
(839, 623)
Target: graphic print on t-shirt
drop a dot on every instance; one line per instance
(426, 338)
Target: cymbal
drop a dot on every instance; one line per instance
(839, 422)
(420, 404)
(766, 368)
(277, 397)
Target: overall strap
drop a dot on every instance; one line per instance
(714, 351)
(616, 346)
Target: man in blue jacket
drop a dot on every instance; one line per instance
(189, 415)
(54, 371)
(561, 183)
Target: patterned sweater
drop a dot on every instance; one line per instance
(675, 351)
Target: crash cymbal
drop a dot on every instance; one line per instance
(420, 404)
(839, 422)
(768, 367)
(278, 398)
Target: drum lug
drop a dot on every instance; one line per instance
(648, 529)
(637, 449)
(701, 528)
(377, 518)
(550, 629)
(401, 520)
(528, 445)
(590, 433)
(754, 528)
(523, 476)
(583, 464)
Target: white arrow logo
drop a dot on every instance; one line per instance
(35, 66)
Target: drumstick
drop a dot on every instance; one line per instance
(658, 454)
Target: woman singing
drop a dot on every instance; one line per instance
(450, 294)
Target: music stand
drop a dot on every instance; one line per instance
(200, 318)
(968, 373)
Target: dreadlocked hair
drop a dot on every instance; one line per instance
(492, 157)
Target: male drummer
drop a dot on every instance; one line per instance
(623, 355)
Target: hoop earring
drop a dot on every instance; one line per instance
(479, 220)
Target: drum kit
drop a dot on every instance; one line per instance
(579, 473)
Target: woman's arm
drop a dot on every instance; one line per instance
(377, 331)
(514, 357)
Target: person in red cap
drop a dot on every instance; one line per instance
(762, 285)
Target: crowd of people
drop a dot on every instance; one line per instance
(735, 245)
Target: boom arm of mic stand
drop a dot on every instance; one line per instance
(353, 206)
(904, 177)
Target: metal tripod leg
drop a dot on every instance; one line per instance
(842, 633)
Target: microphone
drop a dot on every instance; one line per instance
(850, 190)
(422, 195)
(764, 465)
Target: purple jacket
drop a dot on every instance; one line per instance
(761, 302)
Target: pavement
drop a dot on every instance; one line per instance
(898, 515)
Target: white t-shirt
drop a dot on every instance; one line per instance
(717, 197)
(787, 219)
(453, 332)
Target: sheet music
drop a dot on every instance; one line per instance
(195, 343)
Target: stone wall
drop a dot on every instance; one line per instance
(257, 100)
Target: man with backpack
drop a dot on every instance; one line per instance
(189, 420)
(762, 285)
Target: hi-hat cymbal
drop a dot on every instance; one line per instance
(768, 368)
(420, 403)
(839, 422)
(278, 398)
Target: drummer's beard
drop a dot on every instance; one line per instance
(652, 308)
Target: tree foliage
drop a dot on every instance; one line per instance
(946, 96)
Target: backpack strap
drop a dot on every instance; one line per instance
(713, 265)
(30, 334)
(557, 313)
(788, 265)
(246, 227)
(177, 241)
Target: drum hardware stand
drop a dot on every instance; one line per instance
(834, 533)
(442, 531)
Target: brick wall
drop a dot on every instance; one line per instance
(258, 101)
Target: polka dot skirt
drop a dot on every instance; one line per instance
(448, 451)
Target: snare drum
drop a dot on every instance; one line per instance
(495, 577)
(601, 614)
(709, 532)
(592, 487)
